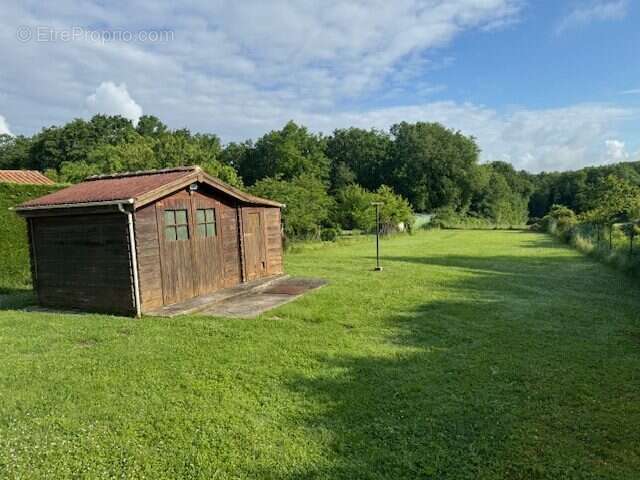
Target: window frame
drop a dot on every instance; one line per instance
(173, 225)
(206, 222)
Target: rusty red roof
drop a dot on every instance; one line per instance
(31, 177)
(132, 187)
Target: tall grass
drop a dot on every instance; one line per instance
(584, 238)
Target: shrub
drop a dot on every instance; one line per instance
(307, 204)
(14, 260)
(353, 209)
(395, 210)
(560, 221)
(330, 234)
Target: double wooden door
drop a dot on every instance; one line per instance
(190, 246)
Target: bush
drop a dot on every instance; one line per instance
(330, 234)
(395, 211)
(354, 209)
(14, 261)
(560, 222)
(307, 204)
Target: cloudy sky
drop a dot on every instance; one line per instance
(546, 85)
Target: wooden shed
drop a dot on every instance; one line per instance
(131, 243)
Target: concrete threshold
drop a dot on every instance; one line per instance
(203, 302)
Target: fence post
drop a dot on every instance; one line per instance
(611, 236)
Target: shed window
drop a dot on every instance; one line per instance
(206, 222)
(176, 225)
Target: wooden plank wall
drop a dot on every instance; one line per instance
(274, 241)
(149, 266)
(82, 262)
(149, 256)
(230, 231)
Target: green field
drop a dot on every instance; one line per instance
(475, 354)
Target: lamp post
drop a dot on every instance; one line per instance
(377, 205)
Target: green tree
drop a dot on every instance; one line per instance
(237, 154)
(286, 154)
(395, 210)
(14, 151)
(150, 126)
(613, 200)
(74, 141)
(358, 156)
(432, 166)
(308, 204)
(500, 194)
(353, 209)
(631, 231)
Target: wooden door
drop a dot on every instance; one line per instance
(254, 249)
(175, 232)
(208, 263)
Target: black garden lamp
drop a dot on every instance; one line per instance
(377, 205)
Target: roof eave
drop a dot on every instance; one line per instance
(60, 206)
(202, 177)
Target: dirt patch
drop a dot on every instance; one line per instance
(86, 343)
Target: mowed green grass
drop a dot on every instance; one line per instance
(475, 354)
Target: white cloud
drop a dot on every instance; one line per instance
(262, 56)
(616, 151)
(240, 69)
(633, 91)
(597, 10)
(112, 99)
(4, 126)
(535, 140)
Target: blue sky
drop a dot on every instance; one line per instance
(545, 85)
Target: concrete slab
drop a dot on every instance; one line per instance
(245, 301)
(261, 300)
(248, 306)
(196, 304)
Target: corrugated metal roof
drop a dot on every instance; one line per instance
(131, 186)
(30, 177)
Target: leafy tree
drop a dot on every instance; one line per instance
(341, 177)
(433, 166)
(150, 126)
(358, 156)
(631, 231)
(14, 151)
(74, 141)
(353, 209)
(395, 210)
(287, 154)
(613, 200)
(561, 220)
(237, 154)
(126, 157)
(500, 195)
(308, 204)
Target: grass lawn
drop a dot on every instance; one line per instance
(475, 354)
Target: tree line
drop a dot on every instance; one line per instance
(327, 181)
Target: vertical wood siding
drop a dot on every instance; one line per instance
(224, 267)
(274, 241)
(149, 267)
(83, 262)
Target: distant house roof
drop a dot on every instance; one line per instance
(30, 177)
(138, 188)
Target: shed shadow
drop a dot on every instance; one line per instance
(453, 392)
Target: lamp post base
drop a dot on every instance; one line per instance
(378, 269)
